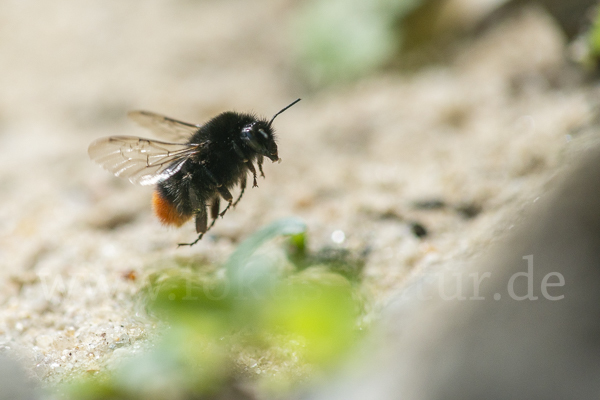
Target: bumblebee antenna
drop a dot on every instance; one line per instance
(285, 108)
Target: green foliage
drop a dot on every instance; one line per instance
(322, 313)
(340, 40)
(258, 310)
(594, 39)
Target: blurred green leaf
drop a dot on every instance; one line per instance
(251, 276)
(339, 40)
(594, 36)
(321, 312)
(306, 318)
(287, 226)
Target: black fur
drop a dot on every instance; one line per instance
(231, 144)
(194, 175)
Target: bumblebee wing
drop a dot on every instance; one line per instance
(142, 161)
(168, 128)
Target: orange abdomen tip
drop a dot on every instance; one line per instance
(166, 212)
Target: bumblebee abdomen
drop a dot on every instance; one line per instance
(166, 211)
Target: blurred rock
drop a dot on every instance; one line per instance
(430, 32)
(528, 330)
(573, 16)
(14, 384)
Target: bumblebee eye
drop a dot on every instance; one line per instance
(249, 138)
(247, 133)
(264, 134)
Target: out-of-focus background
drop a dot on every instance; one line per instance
(425, 129)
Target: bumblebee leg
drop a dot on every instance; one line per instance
(193, 243)
(214, 207)
(214, 211)
(243, 187)
(211, 176)
(259, 161)
(199, 207)
(251, 168)
(201, 225)
(226, 194)
(239, 151)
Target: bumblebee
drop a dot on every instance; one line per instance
(195, 167)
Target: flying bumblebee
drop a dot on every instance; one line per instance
(197, 166)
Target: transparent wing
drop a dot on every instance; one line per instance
(168, 128)
(142, 161)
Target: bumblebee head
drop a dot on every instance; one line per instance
(259, 136)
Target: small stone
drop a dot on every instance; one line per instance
(44, 342)
(418, 230)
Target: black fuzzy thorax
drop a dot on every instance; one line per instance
(192, 187)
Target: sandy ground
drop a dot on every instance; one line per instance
(487, 133)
